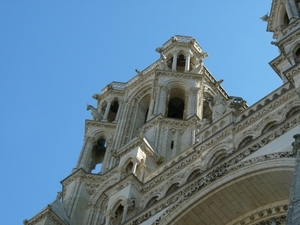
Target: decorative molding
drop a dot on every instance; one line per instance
(232, 164)
(46, 213)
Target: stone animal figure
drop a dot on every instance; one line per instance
(95, 114)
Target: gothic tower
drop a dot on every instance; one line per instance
(171, 146)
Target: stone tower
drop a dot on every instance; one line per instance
(171, 146)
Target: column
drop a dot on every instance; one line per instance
(291, 9)
(192, 102)
(86, 153)
(126, 204)
(187, 62)
(150, 112)
(174, 63)
(162, 98)
(109, 216)
(106, 111)
(119, 112)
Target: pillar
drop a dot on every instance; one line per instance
(187, 62)
(174, 64)
(126, 204)
(109, 215)
(119, 112)
(292, 10)
(107, 111)
(86, 153)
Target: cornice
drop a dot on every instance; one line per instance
(294, 70)
(272, 17)
(46, 213)
(276, 62)
(99, 124)
(264, 111)
(184, 75)
(164, 121)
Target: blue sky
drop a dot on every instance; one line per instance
(54, 55)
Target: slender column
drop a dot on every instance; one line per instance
(157, 101)
(150, 111)
(174, 64)
(162, 100)
(109, 216)
(291, 9)
(192, 102)
(119, 112)
(126, 203)
(106, 111)
(293, 215)
(85, 153)
(134, 166)
(187, 62)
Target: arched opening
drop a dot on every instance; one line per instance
(269, 126)
(292, 112)
(172, 188)
(176, 104)
(245, 141)
(217, 157)
(113, 111)
(286, 19)
(151, 201)
(297, 55)
(207, 113)
(176, 108)
(97, 156)
(119, 214)
(142, 112)
(129, 168)
(194, 174)
(180, 66)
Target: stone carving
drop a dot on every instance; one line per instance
(218, 108)
(95, 114)
(296, 143)
(163, 59)
(198, 67)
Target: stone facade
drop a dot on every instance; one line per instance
(171, 146)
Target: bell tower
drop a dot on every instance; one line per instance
(284, 22)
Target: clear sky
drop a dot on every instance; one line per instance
(54, 55)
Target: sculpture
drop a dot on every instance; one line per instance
(218, 108)
(163, 59)
(198, 67)
(95, 114)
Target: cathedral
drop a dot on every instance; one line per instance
(171, 146)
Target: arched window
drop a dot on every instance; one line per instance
(180, 67)
(113, 110)
(142, 112)
(119, 214)
(297, 55)
(176, 104)
(97, 155)
(129, 168)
